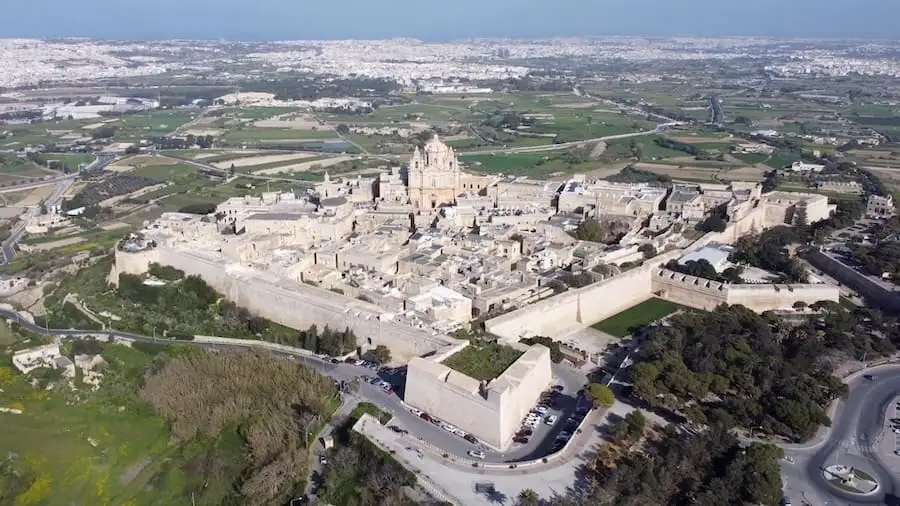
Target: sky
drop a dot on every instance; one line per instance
(445, 19)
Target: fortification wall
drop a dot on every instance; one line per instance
(445, 401)
(689, 290)
(495, 418)
(296, 305)
(761, 298)
(569, 311)
(878, 294)
(520, 400)
(132, 263)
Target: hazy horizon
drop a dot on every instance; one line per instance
(464, 19)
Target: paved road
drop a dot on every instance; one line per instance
(224, 172)
(8, 248)
(62, 184)
(388, 401)
(853, 439)
(29, 186)
(563, 145)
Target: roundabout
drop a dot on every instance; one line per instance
(853, 464)
(851, 479)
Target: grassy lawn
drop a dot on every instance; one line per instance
(847, 304)
(483, 361)
(371, 409)
(649, 311)
(89, 451)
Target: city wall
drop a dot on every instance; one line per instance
(572, 310)
(296, 305)
(491, 412)
(453, 404)
(878, 294)
(705, 294)
(562, 314)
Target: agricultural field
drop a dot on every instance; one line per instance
(649, 311)
(155, 124)
(255, 135)
(14, 170)
(535, 165)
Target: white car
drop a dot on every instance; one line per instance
(447, 427)
(532, 424)
(550, 420)
(478, 454)
(417, 412)
(459, 432)
(896, 430)
(542, 410)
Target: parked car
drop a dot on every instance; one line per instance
(470, 438)
(415, 411)
(558, 388)
(525, 432)
(426, 417)
(563, 436)
(542, 410)
(550, 420)
(323, 460)
(478, 454)
(520, 439)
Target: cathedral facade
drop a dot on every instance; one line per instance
(434, 176)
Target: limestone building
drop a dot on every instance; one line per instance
(490, 411)
(434, 175)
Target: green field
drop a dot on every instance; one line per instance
(649, 311)
(483, 362)
(168, 172)
(751, 158)
(86, 451)
(782, 160)
(535, 165)
(73, 160)
(277, 134)
(12, 167)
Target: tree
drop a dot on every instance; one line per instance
(602, 395)
(382, 354)
(528, 497)
(714, 223)
(635, 423)
(648, 250)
